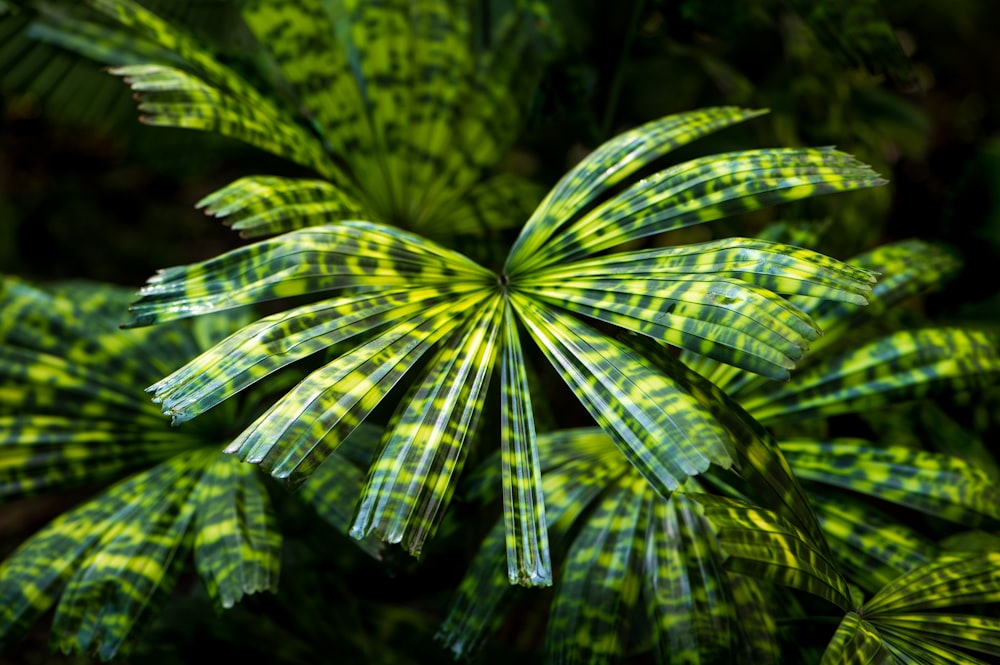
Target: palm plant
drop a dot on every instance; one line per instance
(72, 415)
(400, 113)
(698, 560)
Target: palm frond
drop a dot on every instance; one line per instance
(74, 415)
(939, 485)
(412, 299)
(904, 618)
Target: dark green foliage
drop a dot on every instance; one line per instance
(695, 434)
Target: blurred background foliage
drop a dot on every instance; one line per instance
(87, 192)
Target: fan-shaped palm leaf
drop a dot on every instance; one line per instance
(391, 102)
(409, 296)
(72, 414)
(778, 539)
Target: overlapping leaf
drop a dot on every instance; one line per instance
(626, 550)
(909, 617)
(939, 485)
(73, 414)
(409, 296)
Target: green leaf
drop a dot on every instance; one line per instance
(905, 269)
(273, 342)
(170, 97)
(609, 165)
(761, 544)
(264, 205)
(694, 192)
(579, 466)
(302, 428)
(898, 616)
(687, 592)
(939, 485)
(35, 575)
(599, 585)
(306, 261)
(903, 365)
(500, 202)
(951, 579)
(872, 548)
(424, 446)
(712, 298)
(665, 433)
(757, 458)
(237, 544)
(528, 558)
(300, 38)
(115, 583)
(857, 642)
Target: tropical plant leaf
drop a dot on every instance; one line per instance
(609, 165)
(528, 558)
(688, 594)
(411, 299)
(757, 458)
(665, 433)
(334, 487)
(261, 205)
(599, 587)
(237, 544)
(906, 268)
(302, 40)
(623, 546)
(939, 485)
(872, 548)
(424, 446)
(857, 642)
(761, 544)
(579, 466)
(73, 413)
(899, 617)
(905, 365)
(170, 97)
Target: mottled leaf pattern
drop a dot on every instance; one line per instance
(528, 558)
(412, 479)
(906, 618)
(237, 545)
(940, 485)
(758, 542)
(903, 365)
(74, 414)
(871, 547)
(625, 549)
(697, 297)
(663, 431)
(599, 586)
(905, 269)
(261, 205)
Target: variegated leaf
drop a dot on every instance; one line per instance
(901, 366)
(939, 485)
(692, 193)
(265, 205)
(424, 449)
(759, 543)
(600, 584)
(528, 558)
(302, 428)
(663, 431)
(322, 258)
(872, 548)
